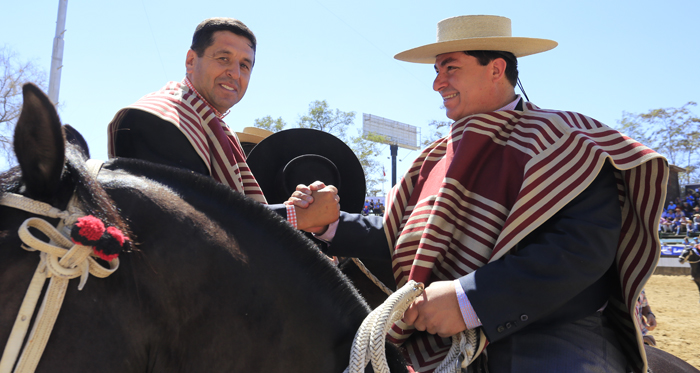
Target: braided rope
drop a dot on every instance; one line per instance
(60, 260)
(371, 276)
(369, 343)
(21, 202)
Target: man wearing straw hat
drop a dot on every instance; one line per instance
(182, 125)
(535, 228)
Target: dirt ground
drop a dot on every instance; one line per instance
(675, 302)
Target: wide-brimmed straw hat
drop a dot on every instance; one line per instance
(251, 136)
(472, 33)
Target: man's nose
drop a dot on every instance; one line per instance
(234, 71)
(439, 83)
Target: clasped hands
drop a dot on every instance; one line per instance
(435, 311)
(316, 205)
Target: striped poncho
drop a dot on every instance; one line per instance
(210, 137)
(473, 195)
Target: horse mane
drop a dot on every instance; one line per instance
(92, 196)
(218, 201)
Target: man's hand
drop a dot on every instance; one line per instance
(436, 311)
(322, 206)
(651, 321)
(302, 196)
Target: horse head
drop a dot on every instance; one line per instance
(212, 281)
(689, 254)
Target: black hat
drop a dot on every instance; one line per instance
(301, 156)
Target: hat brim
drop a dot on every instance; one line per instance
(247, 137)
(270, 157)
(519, 46)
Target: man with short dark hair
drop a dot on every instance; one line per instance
(182, 124)
(533, 229)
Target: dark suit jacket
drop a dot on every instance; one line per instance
(561, 272)
(144, 136)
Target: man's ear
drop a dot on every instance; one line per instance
(190, 61)
(498, 69)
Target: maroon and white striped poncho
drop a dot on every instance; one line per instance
(213, 140)
(473, 195)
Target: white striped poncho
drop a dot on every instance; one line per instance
(210, 137)
(473, 195)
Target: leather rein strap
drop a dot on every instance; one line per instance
(60, 260)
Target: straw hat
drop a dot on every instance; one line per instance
(253, 135)
(470, 33)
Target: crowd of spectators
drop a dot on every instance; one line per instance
(682, 216)
(373, 208)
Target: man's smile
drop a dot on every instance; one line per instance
(447, 97)
(227, 87)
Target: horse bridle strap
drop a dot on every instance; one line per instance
(696, 252)
(75, 261)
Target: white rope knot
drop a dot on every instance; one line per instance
(63, 259)
(369, 343)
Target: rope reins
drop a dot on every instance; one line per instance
(369, 344)
(60, 261)
(371, 276)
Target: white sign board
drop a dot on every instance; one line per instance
(397, 133)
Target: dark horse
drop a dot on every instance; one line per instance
(214, 282)
(691, 254)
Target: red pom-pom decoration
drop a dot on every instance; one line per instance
(117, 234)
(110, 244)
(87, 231)
(104, 256)
(106, 242)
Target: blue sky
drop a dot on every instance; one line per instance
(613, 56)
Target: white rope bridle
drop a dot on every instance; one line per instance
(369, 343)
(60, 260)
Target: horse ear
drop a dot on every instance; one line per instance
(39, 143)
(74, 137)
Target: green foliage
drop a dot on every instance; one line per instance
(367, 148)
(438, 130)
(324, 119)
(673, 132)
(338, 123)
(267, 123)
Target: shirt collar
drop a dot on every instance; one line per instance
(512, 105)
(216, 112)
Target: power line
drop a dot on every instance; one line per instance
(148, 20)
(399, 64)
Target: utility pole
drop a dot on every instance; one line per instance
(394, 152)
(57, 54)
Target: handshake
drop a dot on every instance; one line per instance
(316, 206)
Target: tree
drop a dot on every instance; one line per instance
(13, 75)
(267, 123)
(438, 130)
(338, 123)
(673, 132)
(366, 147)
(321, 118)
